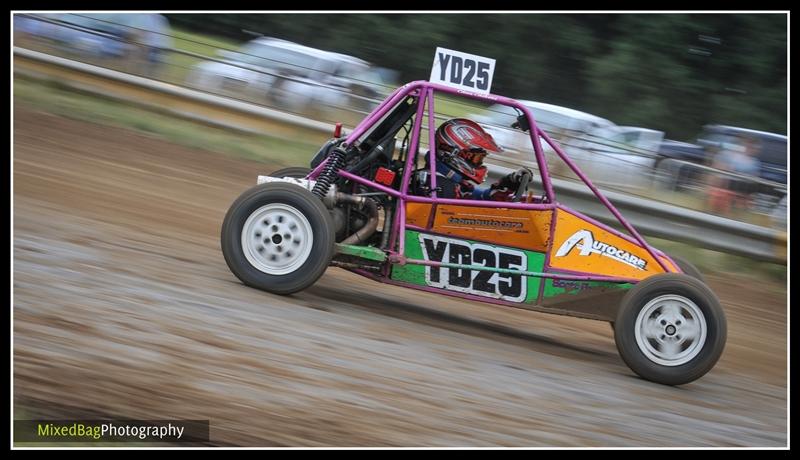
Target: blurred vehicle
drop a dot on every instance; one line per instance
(560, 123)
(140, 39)
(641, 143)
(684, 151)
(771, 151)
(43, 26)
(670, 170)
(292, 76)
(610, 153)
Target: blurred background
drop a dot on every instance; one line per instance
(684, 109)
(133, 133)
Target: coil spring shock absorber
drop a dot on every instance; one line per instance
(328, 175)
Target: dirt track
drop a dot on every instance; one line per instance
(124, 307)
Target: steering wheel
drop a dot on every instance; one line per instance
(524, 180)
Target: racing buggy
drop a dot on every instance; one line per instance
(369, 203)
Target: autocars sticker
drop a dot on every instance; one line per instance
(582, 246)
(585, 241)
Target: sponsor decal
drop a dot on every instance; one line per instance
(556, 288)
(572, 285)
(506, 286)
(584, 240)
(484, 223)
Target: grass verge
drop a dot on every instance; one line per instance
(61, 100)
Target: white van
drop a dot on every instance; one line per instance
(606, 152)
(290, 76)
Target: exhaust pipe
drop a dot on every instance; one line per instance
(363, 234)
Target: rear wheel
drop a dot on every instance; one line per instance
(670, 329)
(277, 237)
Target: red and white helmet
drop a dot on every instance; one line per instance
(462, 144)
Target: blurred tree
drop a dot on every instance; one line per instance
(673, 72)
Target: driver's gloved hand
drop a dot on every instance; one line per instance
(512, 180)
(518, 174)
(501, 193)
(505, 188)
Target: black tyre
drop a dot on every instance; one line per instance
(295, 172)
(670, 329)
(277, 237)
(687, 267)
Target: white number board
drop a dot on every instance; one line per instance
(462, 71)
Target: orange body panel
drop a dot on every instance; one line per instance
(518, 228)
(581, 246)
(418, 214)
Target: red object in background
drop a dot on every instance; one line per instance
(337, 132)
(385, 177)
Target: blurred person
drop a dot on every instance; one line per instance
(461, 147)
(728, 192)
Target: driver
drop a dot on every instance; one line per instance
(461, 146)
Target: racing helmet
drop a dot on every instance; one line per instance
(461, 146)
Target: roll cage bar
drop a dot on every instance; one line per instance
(423, 91)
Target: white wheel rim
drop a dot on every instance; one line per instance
(671, 330)
(277, 239)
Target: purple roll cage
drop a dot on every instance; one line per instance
(424, 92)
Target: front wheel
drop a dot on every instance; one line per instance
(670, 329)
(687, 267)
(277, 237)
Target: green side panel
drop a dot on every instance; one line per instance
(364, 252)
(535, 264)
(553, 288)
(415, 274)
